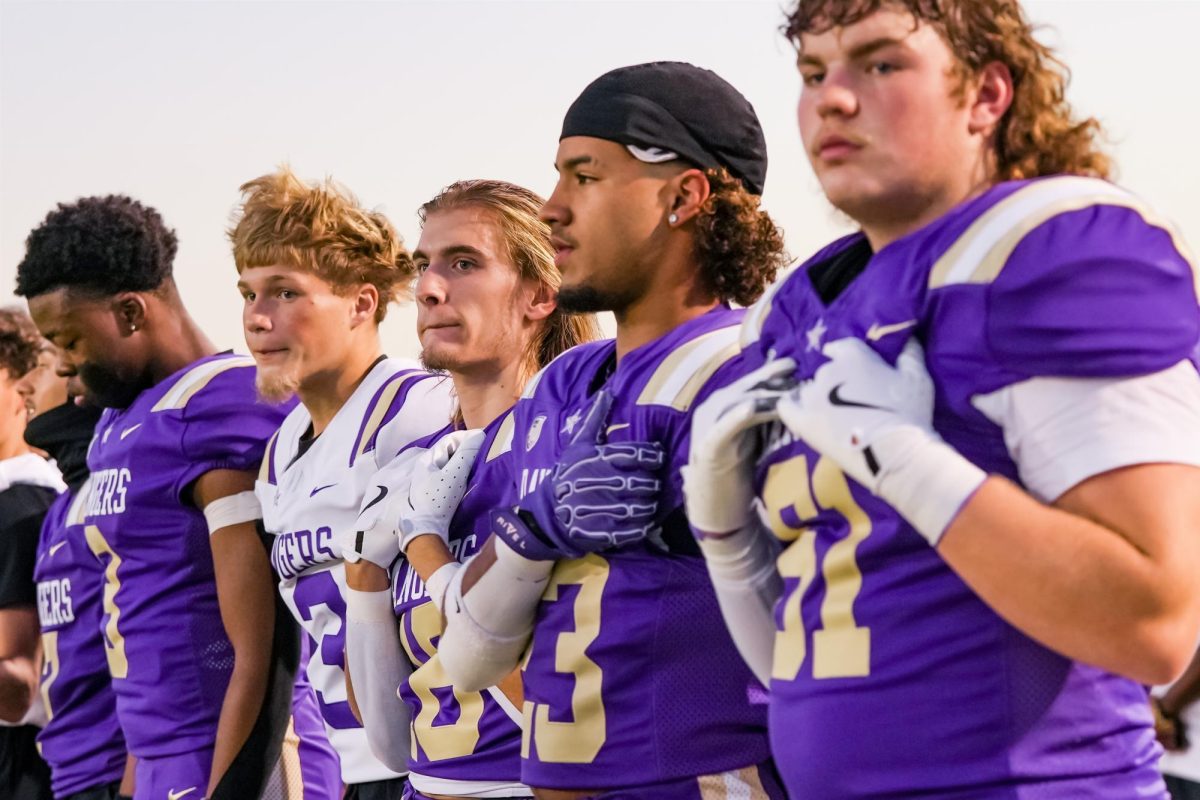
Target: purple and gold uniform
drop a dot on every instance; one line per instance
(631, 679)
(891, 677)
(167, 650)
(463, 743)
(75, 685)
(310, 487)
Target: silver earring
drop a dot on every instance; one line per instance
(132, 328)
(673, 219)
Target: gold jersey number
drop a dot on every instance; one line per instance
(841, 648)
(114, 642)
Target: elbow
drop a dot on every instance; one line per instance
(16, 696)
(474, 666)
(1164, 652)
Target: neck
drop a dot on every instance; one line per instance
(483, 396)
(664, 307)
(178, 341)
(13, 446)
(324, 394)
(921, 212)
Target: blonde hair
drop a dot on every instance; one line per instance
(1038, 135)
(321, 228)
(527, 238)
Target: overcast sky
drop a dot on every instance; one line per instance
(178, 103)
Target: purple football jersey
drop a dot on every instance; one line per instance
(82, 740)
(167, 650)
(458, 736)
(891, 677)
(631, 678)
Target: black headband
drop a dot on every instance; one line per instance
(677, 107)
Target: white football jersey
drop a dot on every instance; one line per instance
(307, 490)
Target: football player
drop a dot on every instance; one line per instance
(188, 609)
(986, 480)
(317, 273)
(655, 217)
(75, 687)
(486, 315)
(28, 486)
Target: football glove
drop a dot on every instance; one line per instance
(718, 481)
(876, 422)
(373, 536)
(439, 481)
(596, 497)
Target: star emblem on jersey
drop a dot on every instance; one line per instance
(815, 334)
(877, 331)
(571, 422)
(535, 431)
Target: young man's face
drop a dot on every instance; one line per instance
(880, 119)
(42, 388)
(96, 354)
(298, 328)
(474, 311)
(13, 414)
(608, 217)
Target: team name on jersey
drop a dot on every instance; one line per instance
(108, 492)
(530, 478)
(54, 602)
(296, 551)
(413, 588)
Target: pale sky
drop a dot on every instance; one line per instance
(178, 103)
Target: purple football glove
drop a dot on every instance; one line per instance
(598, 496)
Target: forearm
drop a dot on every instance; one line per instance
(18, 683)
(376, 667)
(1077, 586)
(747, 584)
(1185, 690)
(489, 620)
(239, 711)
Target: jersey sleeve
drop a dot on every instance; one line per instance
(226, 426)
(423, 404)
(22, 510)
(1104, 290)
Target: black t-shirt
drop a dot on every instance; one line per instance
(22, 509)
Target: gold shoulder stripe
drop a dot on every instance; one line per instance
(980, 253)
(78, 510)
(379, 411)
(504, 437)
(756, 315)
(195, 379)
(682, 374)
(264, 469)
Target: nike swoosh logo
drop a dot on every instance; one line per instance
(382, 494)
(877, 331)
(130, 430)
(835, 398)
(54, 548)
(313, 493)
(616, 427)
(174, 795)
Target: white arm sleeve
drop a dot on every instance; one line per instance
(488, 628)
(1062, 431)
(742, 568)
(377, 668)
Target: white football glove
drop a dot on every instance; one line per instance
(439, 481)
(718, 480)
(876, 422)
(373, 537)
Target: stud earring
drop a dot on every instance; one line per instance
(132, 328)
(673, 219)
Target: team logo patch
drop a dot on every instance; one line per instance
(535, 432)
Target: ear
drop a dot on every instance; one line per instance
(993, 94)
(690, 190)
(540, 301)
(129, 309)
(366, 302)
